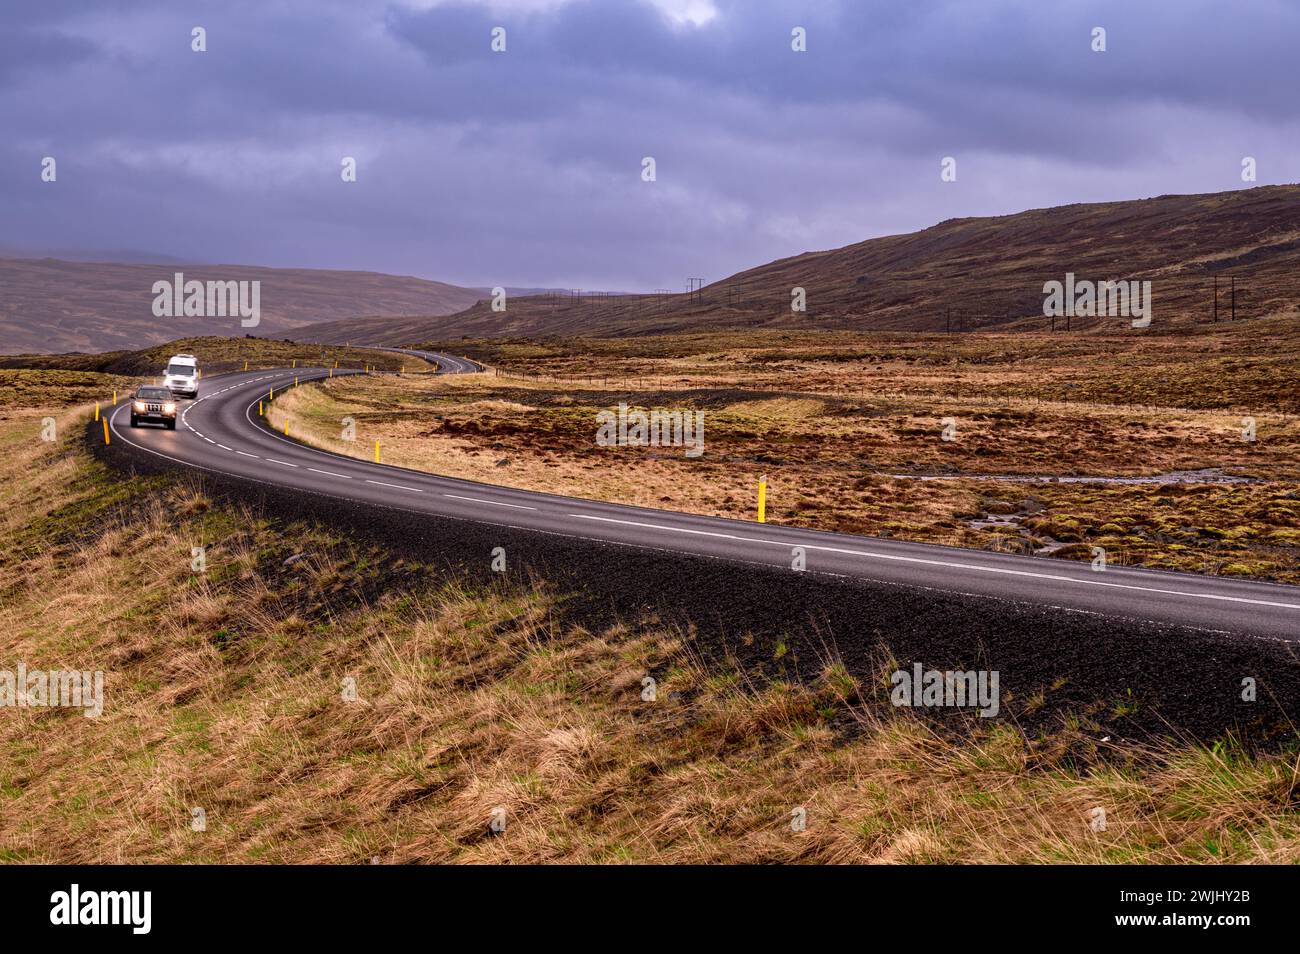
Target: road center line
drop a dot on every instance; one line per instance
(285, 462)
(494, 503)
(328, 473)
(414, 490)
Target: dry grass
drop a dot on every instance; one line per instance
(223, 692)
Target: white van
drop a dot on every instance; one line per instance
(182, 375)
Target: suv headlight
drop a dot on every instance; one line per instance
(169, 408)
(138, 406)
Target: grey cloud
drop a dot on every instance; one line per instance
(523, 168)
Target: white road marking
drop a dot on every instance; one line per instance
(945, 563)
(495, 503)
(285, 462)
(247, 454)
(414, 490)
(329, 473)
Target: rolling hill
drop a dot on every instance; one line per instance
(49, 305)
(971, 272)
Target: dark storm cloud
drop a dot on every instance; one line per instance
(524, 167)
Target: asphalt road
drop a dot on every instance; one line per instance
(220, 432)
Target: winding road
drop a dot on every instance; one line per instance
(221, 433)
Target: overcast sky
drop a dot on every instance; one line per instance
(525, 167)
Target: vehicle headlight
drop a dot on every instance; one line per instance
(169, 408)
(138, 406)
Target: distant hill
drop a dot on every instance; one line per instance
(123, 256)
(985, 272)
(53, 305)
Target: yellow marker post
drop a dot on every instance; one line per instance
(295, 380)
(762, 499)
(114, 397)
(286, 427)
(259, 409)
(105, 430)
(245, 365)
(376, 452)
(271, 396)
(97, 410)
(295, 362)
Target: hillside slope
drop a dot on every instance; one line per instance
(976, 272)
(49, 305)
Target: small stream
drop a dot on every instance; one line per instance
(1206, 475)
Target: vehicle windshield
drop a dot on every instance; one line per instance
(154, 394)
(181, 370)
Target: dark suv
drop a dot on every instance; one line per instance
(154, 404)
